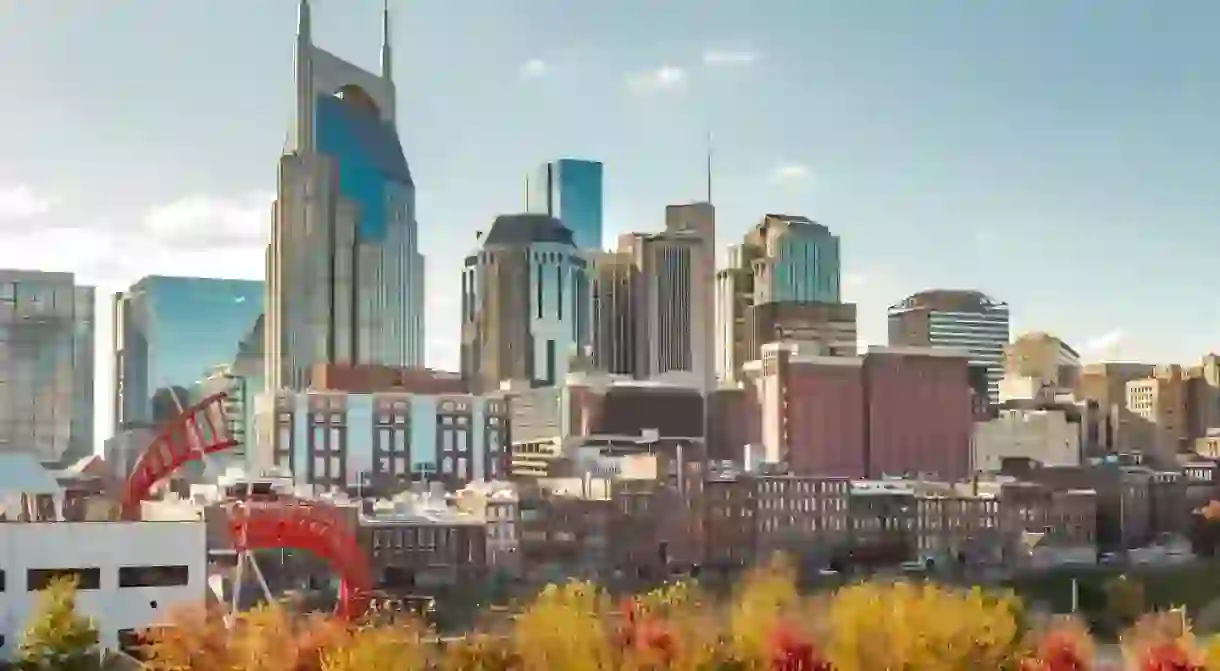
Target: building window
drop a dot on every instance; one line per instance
(153, 576)
(41, 578)
(3, 581)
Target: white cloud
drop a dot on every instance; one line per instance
(742, 57)
(533, 68)
(20, 201)
(787, 173)
(210, 221)
(664, 78)
(1104, 346)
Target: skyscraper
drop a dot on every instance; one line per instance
(525, 303)
(964, 320)
(672, 328)
(170, 333)
(571, 191)
(46, 365)
(784, 259)
(344, 272)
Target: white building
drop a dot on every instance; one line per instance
(339, 439)
(130, 574)
(1045, 436)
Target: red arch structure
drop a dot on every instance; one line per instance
(307, 525)
(301, 525)
(200, 429)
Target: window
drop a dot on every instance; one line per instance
(3, 581)
(153, 576)
(40, 578)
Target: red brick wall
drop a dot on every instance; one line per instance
(919, 415)
(824, 419)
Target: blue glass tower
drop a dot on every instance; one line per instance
(344, 272)
(571, 190)
(169, 332)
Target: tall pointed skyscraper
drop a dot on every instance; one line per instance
(345, 276)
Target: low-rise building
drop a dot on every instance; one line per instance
(1046, 436)
(130, 575)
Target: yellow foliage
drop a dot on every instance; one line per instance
(766, 597)
(922, 626)
(395, 647)
(565, 628)
(193, 638)
(57, 637)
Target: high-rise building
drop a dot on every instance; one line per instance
(571, 191)
(673, 330)
(962, 320)
(344, 272)
(525, 304)
(170, 333)
(785, 259)
(614, 283)
(46, 365)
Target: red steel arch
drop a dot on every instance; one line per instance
(200, 429)
(307, 525)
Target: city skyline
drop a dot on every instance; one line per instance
(898, 206)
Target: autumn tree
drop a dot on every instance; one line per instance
(1064, 645)
(1162, 642)
(57, 638)
(397, 646)
(191, 638)
(566, 627)
(922, 626)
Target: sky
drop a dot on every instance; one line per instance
(1060, 155)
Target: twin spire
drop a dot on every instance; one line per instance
(303, 34)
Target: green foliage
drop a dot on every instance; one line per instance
(57, 638)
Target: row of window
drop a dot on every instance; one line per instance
(88, 578)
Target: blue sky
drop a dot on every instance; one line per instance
(1059, 154)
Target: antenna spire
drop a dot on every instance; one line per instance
(709, 166)
(303, 21)
(386, 56)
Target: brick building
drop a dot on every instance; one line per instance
(893, 411)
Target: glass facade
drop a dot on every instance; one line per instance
(171, 333)
(368, 157)
(46, 366)
(806, 267)
(571, 191)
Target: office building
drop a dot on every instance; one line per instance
(368, 440)
(344, 271)
(571, 191)
(1045, 358)
(525, 304)
(699, 219)
(171, 332)
(784, 259)
(961, 320)
(673, 327)
(46, 365)
(614, 284)
(890, 412)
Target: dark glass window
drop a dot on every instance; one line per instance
(41, 578)
(153, 576)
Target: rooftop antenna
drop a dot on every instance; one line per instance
(386, 56)
(709, 166)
